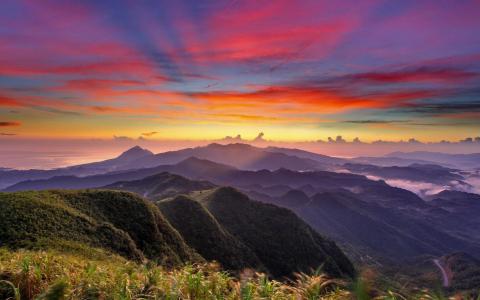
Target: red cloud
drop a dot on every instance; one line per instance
(7, 101)
(9, 123)
(303, 99)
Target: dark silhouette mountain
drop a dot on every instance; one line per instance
(463, 161)
(202, 232)
(161, 185)
(117, 221)
(415, 172)
(282, 241)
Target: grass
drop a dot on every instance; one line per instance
(119, 222)
(57, 275)
(54, 275)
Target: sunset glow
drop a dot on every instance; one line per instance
(197, 70)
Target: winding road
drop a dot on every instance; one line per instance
(446, 280)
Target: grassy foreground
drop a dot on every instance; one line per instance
(95, 274)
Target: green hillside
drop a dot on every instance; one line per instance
(203, 233)
(282, 241)
(117, 221)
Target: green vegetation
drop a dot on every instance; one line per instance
(116, 221)
(465, 271)
(60, 275)
(221, 224)
(202, 232)
(99, 244)
(281, 240)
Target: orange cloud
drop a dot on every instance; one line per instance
(303, 99)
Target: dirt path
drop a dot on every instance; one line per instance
(446, 280)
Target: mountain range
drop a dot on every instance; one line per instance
(272, 209)
(247, 157)
(176, 231)
(243, 156)
(378, 221)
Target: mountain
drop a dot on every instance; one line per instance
(121, 162)
(456, 212)
(367, 228)
(462, 161)
(200, 169)
(454, 199)
(242, 156)
(9, 177)
(383, 161)
(116, 221)
(132, 154)
(180, 229)
(225, 225)
(324, 159)
(161, 185)
(413, 226)
(281, 240)
(414, 172)
(204, 233)
(192, 167)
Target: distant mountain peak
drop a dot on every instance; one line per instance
(134, 153)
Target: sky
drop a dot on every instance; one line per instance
(202, 70)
